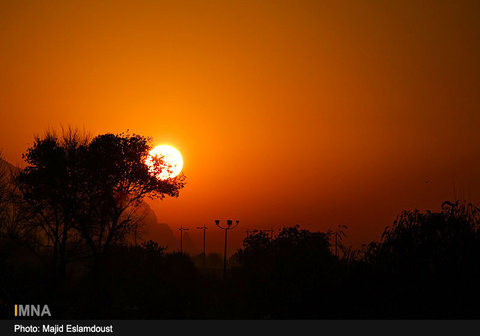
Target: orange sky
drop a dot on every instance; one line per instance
(286, 112)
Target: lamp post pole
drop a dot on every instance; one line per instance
(181, 238)
(226, 228)
(225, 255)
(204, 228)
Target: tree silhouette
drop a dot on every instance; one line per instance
(431, 261)
(117, 180)
(84, 192)
(153, 248)
(285, 274)
(4, 193)
(51, 185)
(415, 238)
(338, 236)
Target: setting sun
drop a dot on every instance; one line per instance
(171, 165)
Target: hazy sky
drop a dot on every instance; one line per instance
(315, 113)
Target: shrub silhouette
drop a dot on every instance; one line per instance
(427, 263)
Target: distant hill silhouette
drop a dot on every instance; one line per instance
(151, 229)
(188, 244)
(161, 233)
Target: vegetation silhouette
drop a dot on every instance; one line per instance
(68, 220)
(80, 194)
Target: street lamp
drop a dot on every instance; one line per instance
(229, 226)
(204, 228)
(181, 237)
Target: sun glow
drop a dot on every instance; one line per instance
(165, 162)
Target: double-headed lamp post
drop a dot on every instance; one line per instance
(227, 227)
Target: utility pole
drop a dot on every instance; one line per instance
(181, 237)
(204, 228)
(226, 228)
